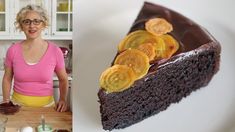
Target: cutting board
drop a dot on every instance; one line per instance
(31, 116)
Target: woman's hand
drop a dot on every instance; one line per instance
(61, 106)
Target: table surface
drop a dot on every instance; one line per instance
(31, 116)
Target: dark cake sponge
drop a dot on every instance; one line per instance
(191, 68)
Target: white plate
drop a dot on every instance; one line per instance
(98, 28)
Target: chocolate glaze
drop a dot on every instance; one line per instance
(189, 34)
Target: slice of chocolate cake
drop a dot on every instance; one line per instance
(167, 80)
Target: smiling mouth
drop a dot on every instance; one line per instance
(32, 31)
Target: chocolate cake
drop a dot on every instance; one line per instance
(9, 108)
(167, 81)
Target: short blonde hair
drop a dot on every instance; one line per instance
(22, 13)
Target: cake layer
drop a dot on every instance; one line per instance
(167, 81)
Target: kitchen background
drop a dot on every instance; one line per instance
(59, 31)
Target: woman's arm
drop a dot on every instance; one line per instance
(6, 84)
(61, 105)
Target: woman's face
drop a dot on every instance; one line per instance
(32, 25)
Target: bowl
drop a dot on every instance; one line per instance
(48, 128)
(26, 129)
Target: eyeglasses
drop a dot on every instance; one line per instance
(34, 21)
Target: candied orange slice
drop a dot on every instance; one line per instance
(159, 48)
(158, 26)
(135, 59)
(117, 78)
(136, 38)
(171, 46)
(148, 49)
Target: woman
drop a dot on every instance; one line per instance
(32, 63)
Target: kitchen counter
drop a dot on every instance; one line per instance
(29, 116)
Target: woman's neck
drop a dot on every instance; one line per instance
(37, 41)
